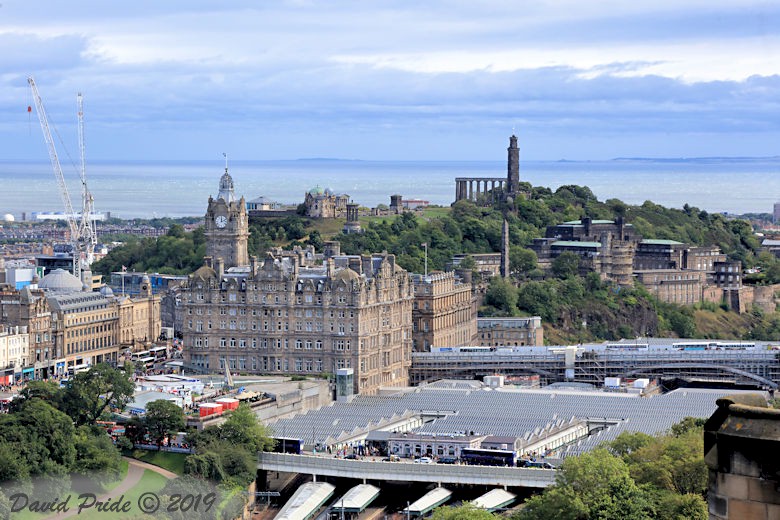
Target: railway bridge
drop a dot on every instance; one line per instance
(751, 367)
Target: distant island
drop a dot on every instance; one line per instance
(695, 159)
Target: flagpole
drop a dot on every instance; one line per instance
(425, 245)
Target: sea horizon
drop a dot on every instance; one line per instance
(144, 188)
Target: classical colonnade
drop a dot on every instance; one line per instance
(470, 188)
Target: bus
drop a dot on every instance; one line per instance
(628, 347)
(288, 445)
(484, 457)
(135, 356)
(463, 349)
(714, 345)
(159, 353)
(75, 369)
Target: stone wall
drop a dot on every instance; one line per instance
(742, 452)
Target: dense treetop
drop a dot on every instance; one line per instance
(565, 300)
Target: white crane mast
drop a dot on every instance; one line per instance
(82, 234)
(87, 234)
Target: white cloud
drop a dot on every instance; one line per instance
(389, 68)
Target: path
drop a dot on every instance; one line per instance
(135, 470)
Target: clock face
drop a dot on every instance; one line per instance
(221, 221)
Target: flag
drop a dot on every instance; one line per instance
(124, 268)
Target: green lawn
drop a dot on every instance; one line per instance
(28, 515)
(167, 460)
(437, 212)
(123, 465)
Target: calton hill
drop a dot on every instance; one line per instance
(576, 306)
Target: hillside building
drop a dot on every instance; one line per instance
(323, 203)
(487, 191)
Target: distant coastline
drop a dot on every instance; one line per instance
(146, 189)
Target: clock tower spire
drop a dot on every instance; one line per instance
(227, 225)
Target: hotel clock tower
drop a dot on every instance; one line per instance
(227, 226)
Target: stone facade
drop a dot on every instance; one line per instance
(742, 453)
(28, 308)
(69, 327)
(139, 318)
(321, 203)
(489, 190)
(604, 246)
(444, 312)
(297, 312)
(510, 332)
(674, 285)
(227, 225)
(282, 317)
(85, 326)
(14, 352)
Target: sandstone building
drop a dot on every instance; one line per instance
(510, 332)
(296, 312)
(444, 312)
(321, 203)
(70, 328)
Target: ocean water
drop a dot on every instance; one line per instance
(175, 189)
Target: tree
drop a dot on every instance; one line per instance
(521, 260)
(566, 265)
(89, 394)
(502, 295)
(44, 390)
(465, 512)
(594, 485)
(243, 428)
(97, 459)
(163, 418)
(40, 435)
(227, 452)
(629, 442)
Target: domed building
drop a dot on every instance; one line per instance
(324, 203)
(61, 281)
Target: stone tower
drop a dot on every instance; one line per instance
(227, 226)
(353, 219)
(513, 168)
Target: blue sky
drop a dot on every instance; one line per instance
(397, 80)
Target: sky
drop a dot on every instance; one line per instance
(392, 80)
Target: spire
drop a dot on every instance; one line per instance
(226, 192)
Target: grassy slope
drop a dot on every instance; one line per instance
(171, 461)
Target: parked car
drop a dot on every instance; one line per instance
(448, 460)
(423, 460)
(537, 464)
(391, 458)
(351, 456)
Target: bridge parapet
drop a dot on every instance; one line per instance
(406, 471)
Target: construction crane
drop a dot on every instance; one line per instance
(87, 233)
(82, 232)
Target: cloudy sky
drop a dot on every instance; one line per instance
(574, 79)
